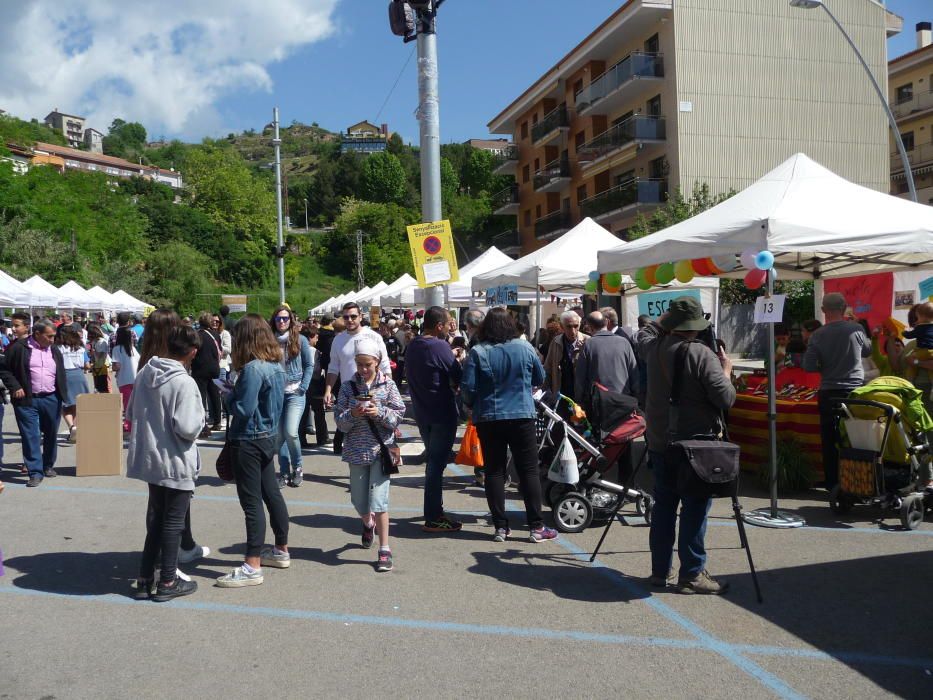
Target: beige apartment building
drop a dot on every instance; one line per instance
(911, 97)
(668, 93)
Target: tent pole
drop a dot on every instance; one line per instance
(771, 516)
(536, 335)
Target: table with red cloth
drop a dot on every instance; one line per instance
(797, 420)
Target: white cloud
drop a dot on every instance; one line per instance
(165, 64)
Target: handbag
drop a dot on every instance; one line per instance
(707, 466)
(471, 451)
(225, 458)
(564, 468)
(391, 454)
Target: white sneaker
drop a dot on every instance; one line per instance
(178, 574)
(270, 556)
(186, 556)
(73, 434)
(239, 578)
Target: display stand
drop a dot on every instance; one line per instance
(100, 438)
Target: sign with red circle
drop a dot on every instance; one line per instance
(432, 245)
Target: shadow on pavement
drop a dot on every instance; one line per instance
(876, 606)
(76, 573)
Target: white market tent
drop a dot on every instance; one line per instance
(401, 298)
(338, 302)
(364, 295)
(460, 293)
(128, 302)
(402, 282)
(44, 295)
(816, 224)
(105, 298)
(323, 306)
(14, 293)
(74, 296)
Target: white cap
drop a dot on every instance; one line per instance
(367, 346)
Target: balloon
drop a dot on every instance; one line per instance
(725, 263)
(590, 287)
(683, 271)
(651, 275)
(701, 267)
(612, 279)
(640, 280)
(611, 290)
(748, 258)
(594, 275)
(665, 273)
(713, 270)
(764, 260)
(755, 278)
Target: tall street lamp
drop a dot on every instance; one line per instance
(812, 4)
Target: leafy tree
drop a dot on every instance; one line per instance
(25, 252)
(23, 133)
(450, 182)
(125, 139)
(180, 277)
(676, 209)
(383, 179)
(477, 174)
(385, 252)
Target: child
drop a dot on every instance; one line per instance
(360, 419)
(922, 334)
(458, 345)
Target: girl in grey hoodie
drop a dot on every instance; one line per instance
(166, 415)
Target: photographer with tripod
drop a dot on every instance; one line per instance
(674, 358)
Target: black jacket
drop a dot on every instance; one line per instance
(14, 371)
(325, 338)
(206, 364)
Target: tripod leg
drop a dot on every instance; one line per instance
(743, 538)
(629, 483)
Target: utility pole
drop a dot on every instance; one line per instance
(307, 229)
(280, 245)
(360, 279)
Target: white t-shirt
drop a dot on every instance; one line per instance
(128, 365)
(343, 353)
(74, 359)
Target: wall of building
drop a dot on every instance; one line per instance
(766, 80)
(915, 123)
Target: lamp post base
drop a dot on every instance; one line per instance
(764, 517)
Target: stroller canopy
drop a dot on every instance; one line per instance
(901, 394)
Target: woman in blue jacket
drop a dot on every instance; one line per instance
(498, 377)
(298, 363)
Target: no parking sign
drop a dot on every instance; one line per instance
(432, 253)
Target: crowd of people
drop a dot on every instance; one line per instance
(269, 382)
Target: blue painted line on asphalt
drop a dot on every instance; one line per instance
(837, 530)
(708, 641)
(850, 657)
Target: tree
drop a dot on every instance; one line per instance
(23, 133)
(383, 179)
(477, 174)
(180, 277)
(450, 183)
(385, 252)
(125, 139)
(677, 209)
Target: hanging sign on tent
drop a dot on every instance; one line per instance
(655, 304)
(770, 309)
(432, 253)
(926, 288)
(236, 302)
(503, 295)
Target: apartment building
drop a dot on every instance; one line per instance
(910, 78)
(668, 93)
(69, 125)
(73, 159)
(364, 137)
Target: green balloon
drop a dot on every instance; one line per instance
(665, 273)
(640, 281)
(590, 287)
(613, 279)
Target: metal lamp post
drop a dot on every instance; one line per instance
(280, 244)
(812, 4)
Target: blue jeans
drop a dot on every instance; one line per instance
(38, 431)
(289, 445)
(690, 547)
(2, 412)
(438, 440)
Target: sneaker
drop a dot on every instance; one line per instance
(542, 533)
(297, 478)
(277, 559)
(34, 481)
(73, 434)
(283, 480)
(143, 589)
(384, 562)
(239, 578)
(479, 478)
(369, 533)
(442, 524)
(502, 534)
(703, 584)
(661, 581)
(180, 587)
(186, 556)
(51, 473)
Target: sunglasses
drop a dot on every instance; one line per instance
(282, 319)
(350, 317)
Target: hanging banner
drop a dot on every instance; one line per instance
(869, 296)
(432, 253)
(503, 295)
(655, 304)
(236, 302)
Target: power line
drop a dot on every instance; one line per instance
(395, 84)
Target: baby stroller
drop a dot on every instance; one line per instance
(883, 436)
(576, 506)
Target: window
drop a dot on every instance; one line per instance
(624, 117)
(908, 139)
(654, 106)
(524, 130)
(622, 178)
(581, 193)
(526, 175)
(537, 165)
(527, 217)
(579, 140)
(905, 93)
(658, 168)
(653, 45)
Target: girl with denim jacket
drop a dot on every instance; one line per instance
(298, 363)
(255, 407)
(359, 419)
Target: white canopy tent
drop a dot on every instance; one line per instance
(105, 298)
(402, 282)
(401, 298)
(44, 294)
(323, 306)
(74, 296)
(460, 293)
(816, 224)
(128, 302)
(14, 293)
(364, 295)
(338, 302)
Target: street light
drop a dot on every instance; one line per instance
(813, 4)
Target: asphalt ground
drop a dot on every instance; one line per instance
(846, 611)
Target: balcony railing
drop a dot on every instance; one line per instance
(555, 119)
(636, 65)
(626, 194)
(552, 174)
(508, 241)
(552, 223)
(506, 201)
(637, 128)
(918, 156)
(919, 102)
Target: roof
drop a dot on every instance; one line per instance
(912, 57)
(364, 123)
(65, 151)
(64, 114)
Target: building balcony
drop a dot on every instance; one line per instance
(920, 102)
(507, 162)
(555, 123)
(509, 242)
(622, 83)
(505, 202)
(553, 177)
(635, 130)
(624, 199)
(552, 225)
(920, 158)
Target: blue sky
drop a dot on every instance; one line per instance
(483, 64)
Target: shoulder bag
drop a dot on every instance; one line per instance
(226, 457)
(391, 454)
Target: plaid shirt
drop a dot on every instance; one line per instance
(359, 444)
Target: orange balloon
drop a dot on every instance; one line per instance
(701, 266)
(650, 272)
(713, 270)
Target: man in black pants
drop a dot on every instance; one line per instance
(204, 370)
(315, 403)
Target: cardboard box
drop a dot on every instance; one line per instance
(100, 435)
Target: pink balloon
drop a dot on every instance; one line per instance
(755, 278)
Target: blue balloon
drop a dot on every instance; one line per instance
(594, 275)
(764, 260)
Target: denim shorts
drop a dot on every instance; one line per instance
(369, 487)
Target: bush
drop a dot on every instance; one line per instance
(794, 471)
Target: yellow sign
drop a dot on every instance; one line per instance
(432, 252)
(236, 302)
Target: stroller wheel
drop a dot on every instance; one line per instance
(839, 503)
(644, 504)
(573, 513)
(553, 492)
(912, 511)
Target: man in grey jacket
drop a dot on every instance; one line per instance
(706, 392)
(606, 358)
(166, 415)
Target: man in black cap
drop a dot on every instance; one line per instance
(706, 392)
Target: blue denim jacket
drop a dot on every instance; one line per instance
(300, 368)
(497, 380)
(255, 404)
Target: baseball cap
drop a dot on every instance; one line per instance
(685, 314)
